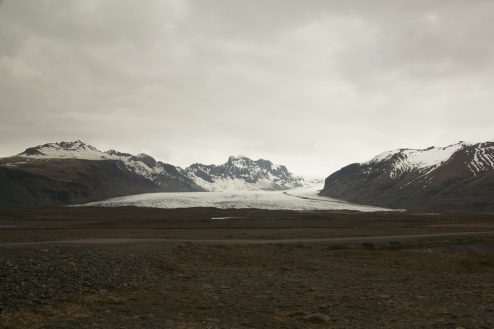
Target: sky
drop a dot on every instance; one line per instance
(312, 84)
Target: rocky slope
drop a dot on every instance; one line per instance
(74, 172)
(458, 177)
(242, 173)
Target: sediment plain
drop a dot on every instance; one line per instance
(94, 267)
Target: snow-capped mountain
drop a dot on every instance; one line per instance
(66, 150)
(238, 173)
(62, 173)
(404, 161)
(76, 172)
(144, 165)
(455, 177)
(242, 173)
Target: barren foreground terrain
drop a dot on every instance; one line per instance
(210, 268)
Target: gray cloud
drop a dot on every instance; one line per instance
(312, 84)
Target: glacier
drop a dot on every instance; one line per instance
(305, 198)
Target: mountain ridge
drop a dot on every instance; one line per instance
(54, 174)
(241, 172)
(457, 177)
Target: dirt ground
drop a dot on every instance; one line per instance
(210, 268)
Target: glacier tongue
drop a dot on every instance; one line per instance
(297, 199)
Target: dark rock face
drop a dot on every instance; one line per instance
(456, 178)
(32, 151)
(175, 179)
(55, 182)
(144, 158)
(73, 172)
(42, 183)
(117, 153)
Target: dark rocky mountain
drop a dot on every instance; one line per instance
(74, 172)
(242, 173)
(458, 177)
(64, 173)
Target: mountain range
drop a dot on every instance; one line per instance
(458, 177)
(62, 173)
(242, 173)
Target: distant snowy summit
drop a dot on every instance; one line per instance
(455, 177)
(242, 173)
(479, 158)
(76, 150)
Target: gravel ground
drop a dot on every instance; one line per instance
(111, 275)
(169, 285)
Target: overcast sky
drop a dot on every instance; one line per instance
(313, 84)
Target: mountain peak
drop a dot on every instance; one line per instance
(233, 158)
(239, 161)
(243, 173)
(75, 149)
(403, 160)
(144, 158)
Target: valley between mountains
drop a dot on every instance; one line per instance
(245, 244)
(458, 178)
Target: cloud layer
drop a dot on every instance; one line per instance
(311, 84)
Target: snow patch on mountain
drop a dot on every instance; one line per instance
(66, 150)
(457, 177)
(478, 158)
(406, 160)
(482, 159)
